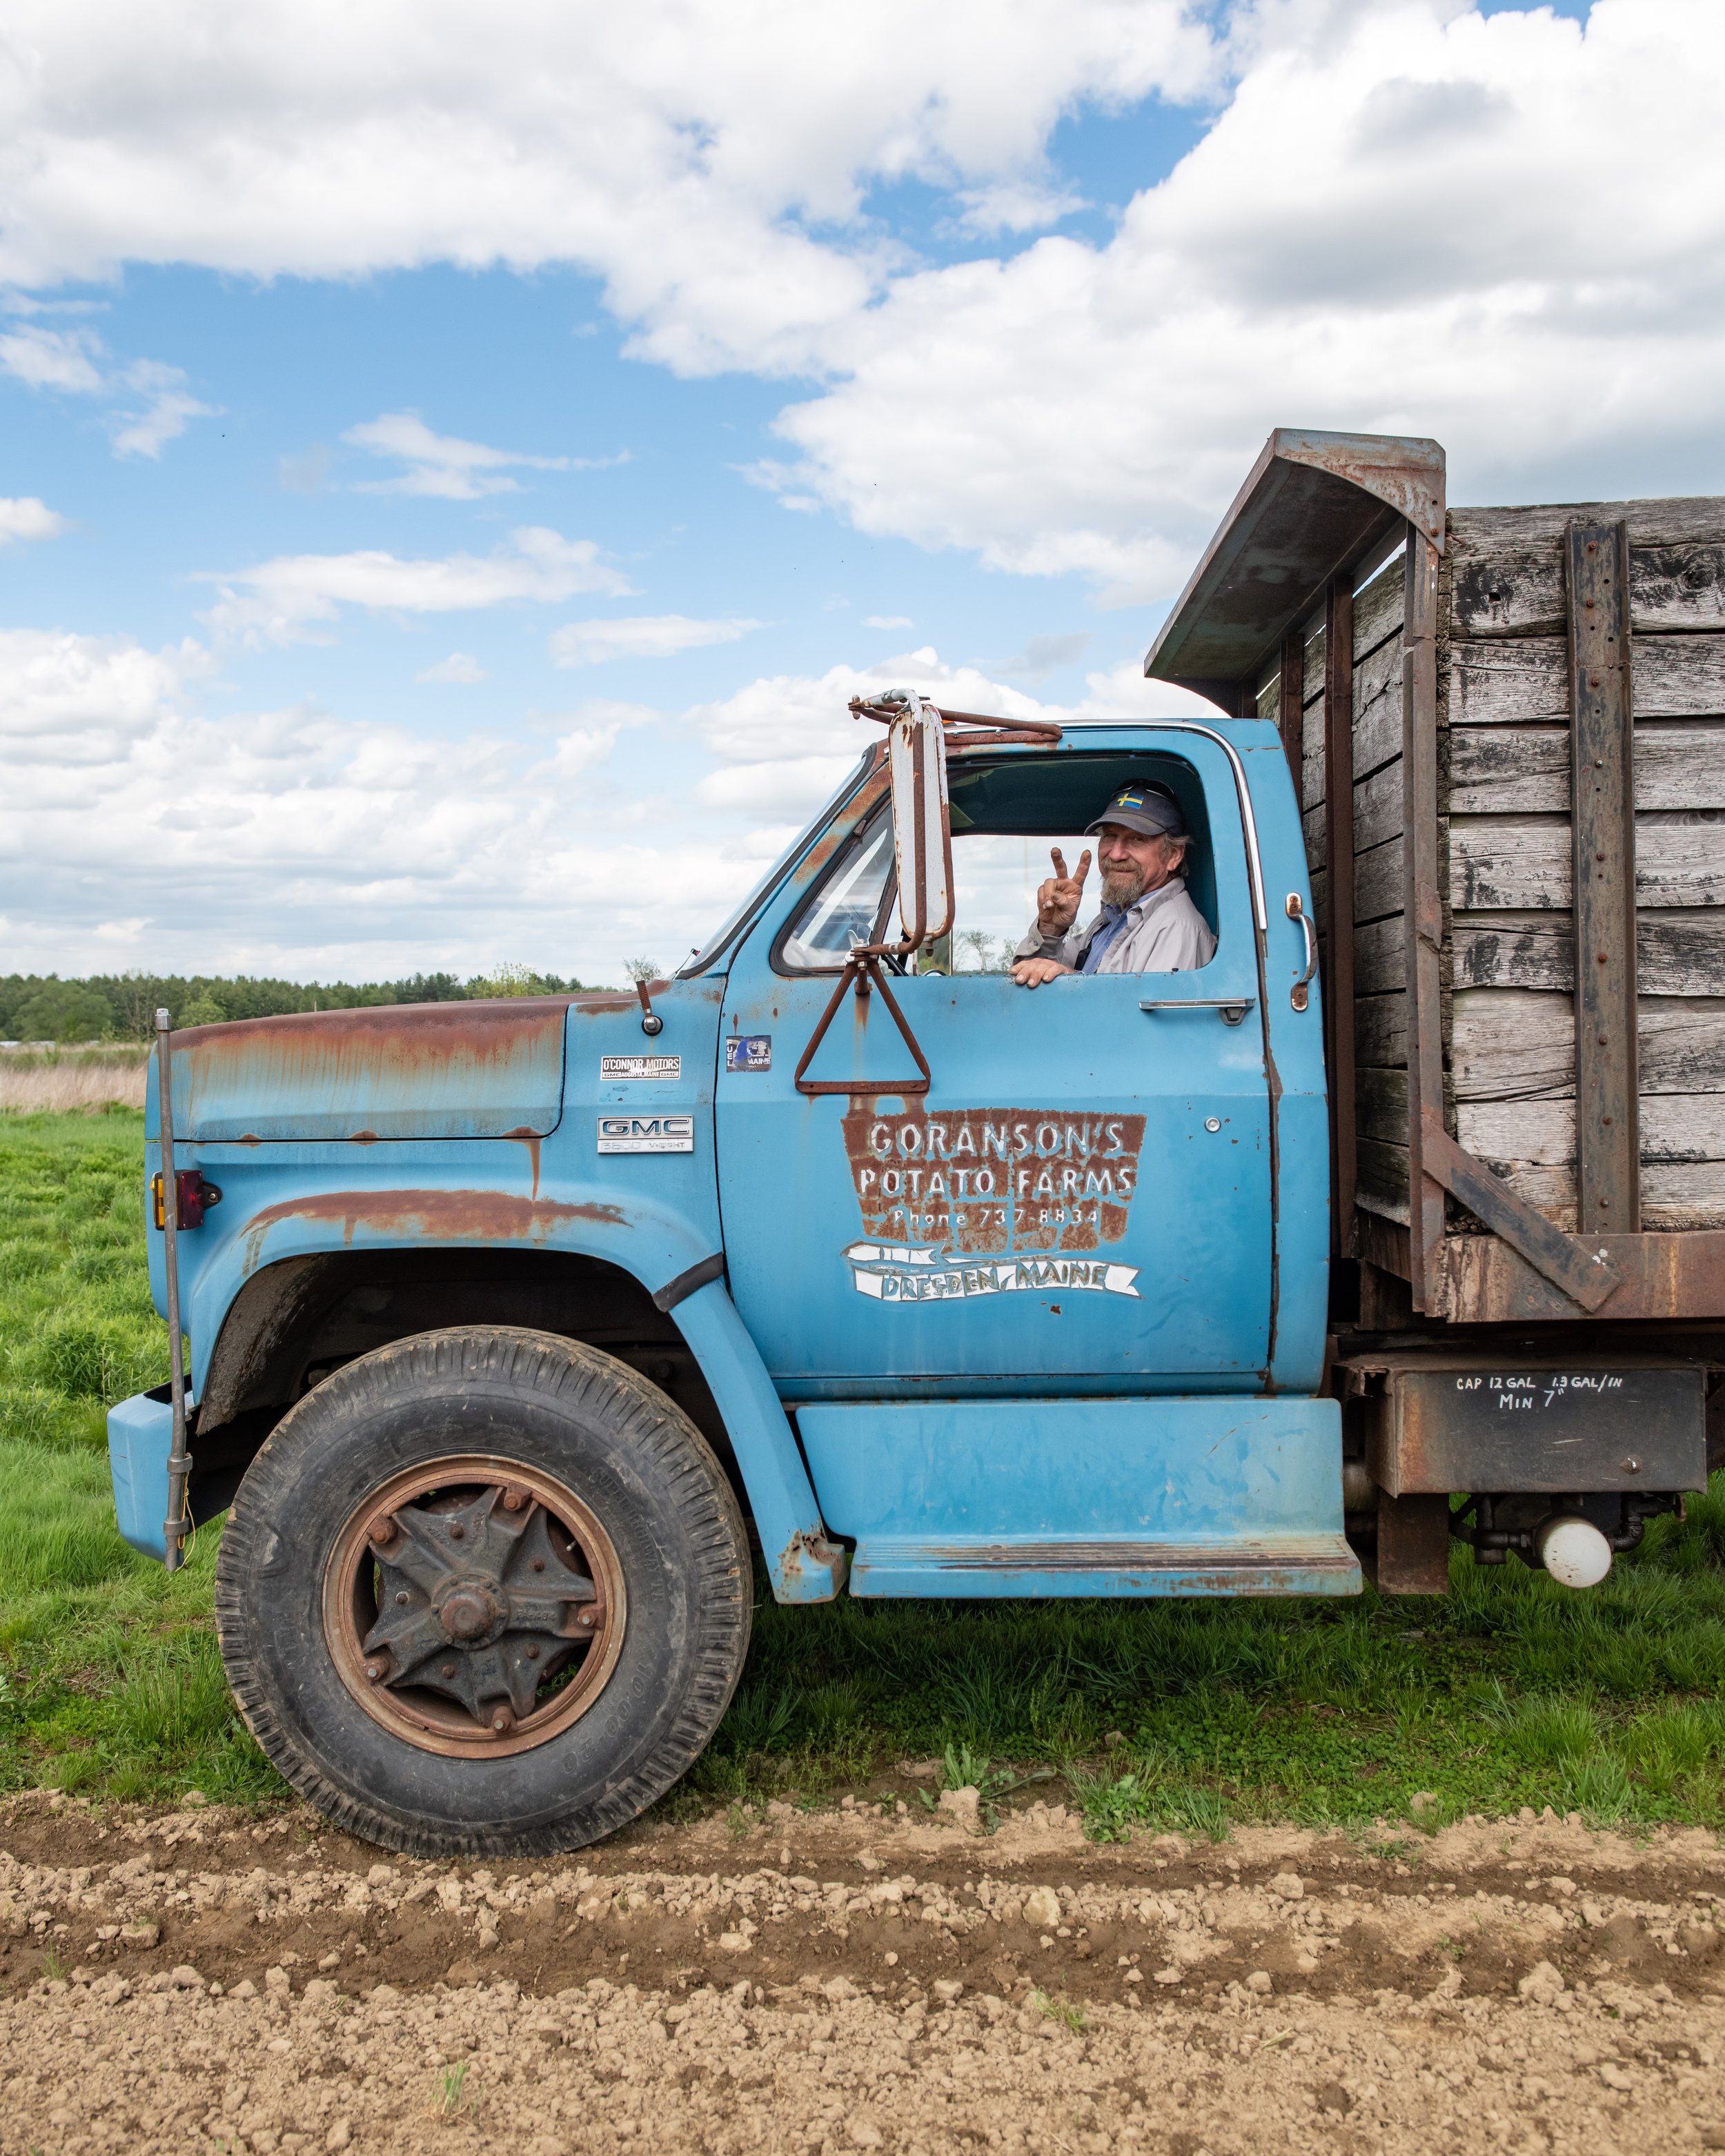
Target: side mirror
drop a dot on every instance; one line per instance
(923, 843)
(922, 830)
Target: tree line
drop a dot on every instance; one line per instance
(122, 1006)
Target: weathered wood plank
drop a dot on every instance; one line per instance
(1673, 1198)
(1608, 1169)
(1379, 608)
(1381, 1110)
(1311, 830)
(1515, 592)
(1677, 954)
(1659, 521)
(1312, 687)
(1377, 882)
(1381, 1031)
(1519, 1044)
(1269, 697)
(1526, 683)
(1312, 763)
(1381, 1184)
(1523, 862)
(1377, 709)
(1676, 1128)
(1499, 771)
(1380, 956)
(1378, 807)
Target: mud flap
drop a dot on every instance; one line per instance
(1413, 1544)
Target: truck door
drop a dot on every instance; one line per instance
(1081, 1200)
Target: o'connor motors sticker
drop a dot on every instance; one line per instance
(646, 1133)
(639, 1066)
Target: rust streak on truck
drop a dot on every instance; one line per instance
(431, 1216)
(391, 1037)
(391, 1072)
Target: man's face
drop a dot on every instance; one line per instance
(1132, 863)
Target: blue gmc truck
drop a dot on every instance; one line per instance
(520, 1332)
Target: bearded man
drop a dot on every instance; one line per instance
(1148, 923)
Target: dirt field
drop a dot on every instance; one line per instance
(823, 1983)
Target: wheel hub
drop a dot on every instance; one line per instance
(470, 1613)
(475, 1604)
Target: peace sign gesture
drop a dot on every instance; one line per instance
(1058, 900)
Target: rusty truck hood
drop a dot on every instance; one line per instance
(397, 1070)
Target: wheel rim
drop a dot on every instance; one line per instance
(474, 1606)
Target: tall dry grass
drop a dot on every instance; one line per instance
(61, 1082)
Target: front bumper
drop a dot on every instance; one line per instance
(140, 1433)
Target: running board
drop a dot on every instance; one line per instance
(1318, 1564)
(1190, 1495)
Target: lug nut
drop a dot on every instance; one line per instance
(539, 1564)
(587, 1618)
(374, 1670)
(448, 1669)
(533, 1651)
(502, 1722)
(381, 1529)
(458, 1532)
(401, 1598)
(514, 1499)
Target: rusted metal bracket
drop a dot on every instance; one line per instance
(992, 731)
(862, 969)
(1338, 851)
(1608, 1151)
(1583, 1274)
(178, 1524)
(1422, 920)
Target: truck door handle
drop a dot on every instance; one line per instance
(1232, 1008)
(1300, 995)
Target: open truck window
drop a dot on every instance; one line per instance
(1007, 814)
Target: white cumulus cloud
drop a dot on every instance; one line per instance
(288, 598)
(27, 516)
(440, 465)
(640, 636)
(151, 404)
(459, 667)
(297, 841)
(712, 163)
(1431, 258)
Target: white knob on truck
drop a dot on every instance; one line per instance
(1574, 1553)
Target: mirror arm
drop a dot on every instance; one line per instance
(862, 968)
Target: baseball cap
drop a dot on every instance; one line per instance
(1150, 808)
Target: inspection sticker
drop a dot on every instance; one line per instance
(639, 1066)
(749, 1051)
(646, 1133)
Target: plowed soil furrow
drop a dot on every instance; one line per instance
(831, 1982)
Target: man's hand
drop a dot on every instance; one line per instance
(1033, 972)
(1058, 900)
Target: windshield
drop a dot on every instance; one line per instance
(716, 945)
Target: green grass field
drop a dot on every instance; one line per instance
(1510, 1693)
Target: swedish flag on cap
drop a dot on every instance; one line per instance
(1150, 808)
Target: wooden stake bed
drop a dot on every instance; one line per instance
(1508, 727)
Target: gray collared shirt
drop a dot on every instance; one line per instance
(1165, 933)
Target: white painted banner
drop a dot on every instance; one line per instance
(900, 1272)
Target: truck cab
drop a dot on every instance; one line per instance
(520, 1332)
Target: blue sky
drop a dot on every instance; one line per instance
(452, 490)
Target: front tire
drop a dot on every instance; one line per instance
(484, 1592)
